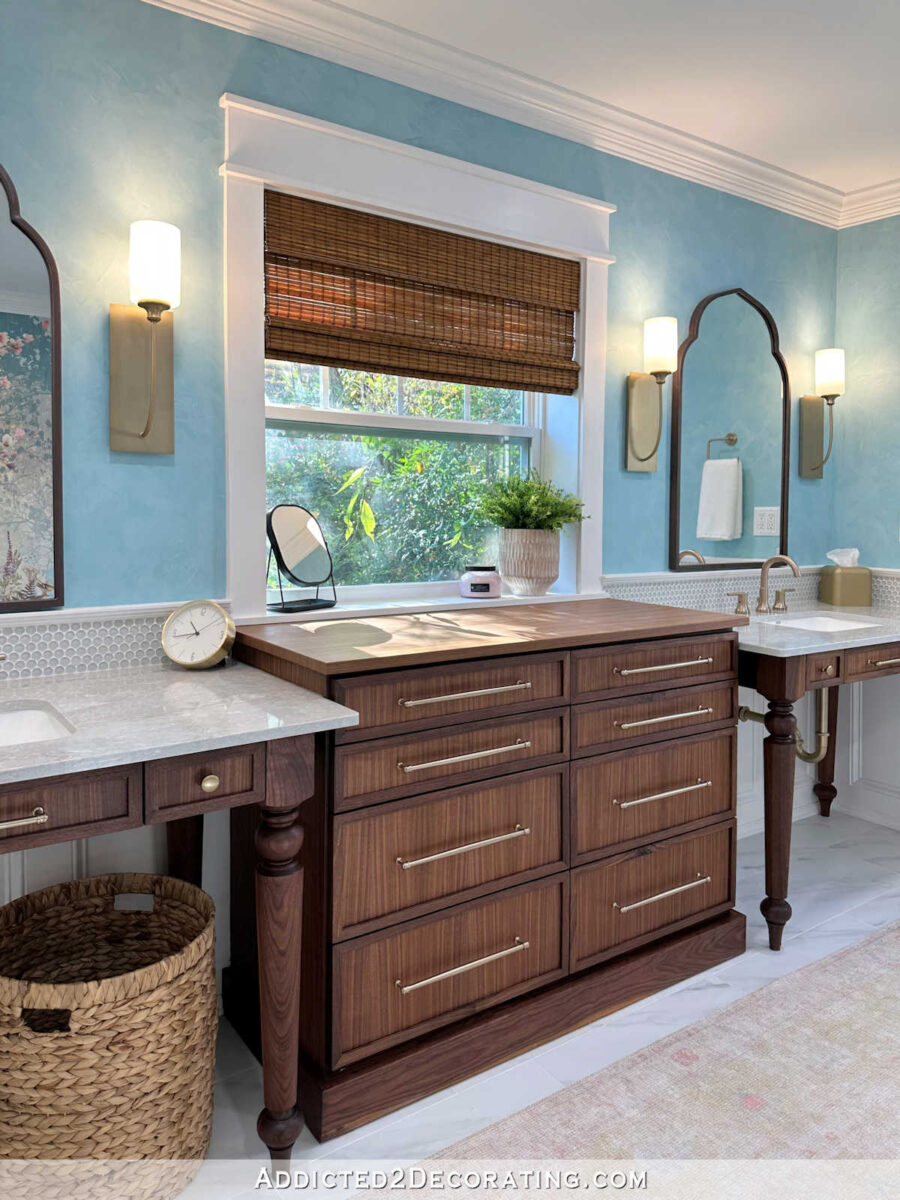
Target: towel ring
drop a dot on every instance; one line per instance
(730, 439)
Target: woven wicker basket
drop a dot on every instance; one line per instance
(107, 1021)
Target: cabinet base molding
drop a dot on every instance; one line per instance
(339, 1101)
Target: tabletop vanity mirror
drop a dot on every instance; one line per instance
(728, 503)
(31, 576)
(302, 558)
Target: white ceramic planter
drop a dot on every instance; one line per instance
(529, 560)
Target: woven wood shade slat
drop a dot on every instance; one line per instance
(351, 289)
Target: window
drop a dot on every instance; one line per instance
(392, 467)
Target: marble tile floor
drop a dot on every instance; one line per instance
(845, 885)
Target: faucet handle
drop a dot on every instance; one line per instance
(780, 605)
(742, 608)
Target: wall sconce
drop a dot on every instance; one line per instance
(644, 422)
(141, 371)
(830, 383)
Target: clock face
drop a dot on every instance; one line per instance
(198, 634)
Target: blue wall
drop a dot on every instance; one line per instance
(110, 114)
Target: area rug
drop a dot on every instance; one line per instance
(806, 1067)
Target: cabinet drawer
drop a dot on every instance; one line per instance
(872, 661)
(395, 985)
(634, 795)
(642, 719)
(622, 902)
(370, 772)
(67, 807)
(413, 856)
(647, 666)
(196, 783)
(445, 695)
(825, 669)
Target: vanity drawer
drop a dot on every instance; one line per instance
(823, 669)
(70, 806)
(392, 986)
(445, 695)
(872, 661)
(412, 856)
(643, 719)
(624, 901)
(369, 772)
(633, 795)
(646, 666)
(197, 783)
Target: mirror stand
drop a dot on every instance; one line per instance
(305, 603)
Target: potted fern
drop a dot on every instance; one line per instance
(529, 513)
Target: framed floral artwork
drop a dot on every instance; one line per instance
(31, 570)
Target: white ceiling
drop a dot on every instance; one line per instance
(792, 102)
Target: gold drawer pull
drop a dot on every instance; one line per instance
(659, 720)
(519, 744)
(691, 787)
(210, 784)
(679, 666)
(517, 946)
(520, 685)
(518, 832)
(38, 817)
(883, 662)
(698, 882)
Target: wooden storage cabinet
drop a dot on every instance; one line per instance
(620, 902)
(632, 795)
(391, 986)
(401, 859)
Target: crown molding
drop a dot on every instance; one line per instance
(330, 31)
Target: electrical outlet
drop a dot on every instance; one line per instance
(766, 522)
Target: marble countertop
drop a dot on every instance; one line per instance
(142, 713)
(778, 635)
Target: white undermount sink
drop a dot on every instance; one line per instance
(824, 624)
(31, 721)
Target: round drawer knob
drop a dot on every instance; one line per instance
(827, 670)
(210, 784)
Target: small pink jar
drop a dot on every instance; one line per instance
(480, 583)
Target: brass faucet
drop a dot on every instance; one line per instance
(762, 603)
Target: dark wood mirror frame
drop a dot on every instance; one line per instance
(57, 600)
(675, 455)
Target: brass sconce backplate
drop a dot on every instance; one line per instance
(141, 382)
(642, 421)
(812, 436)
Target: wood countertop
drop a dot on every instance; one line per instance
(340, 647)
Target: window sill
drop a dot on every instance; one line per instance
(421, 604)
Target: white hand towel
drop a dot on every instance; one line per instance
(719, 513)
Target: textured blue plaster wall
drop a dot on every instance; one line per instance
(110, 114)
(863, 474)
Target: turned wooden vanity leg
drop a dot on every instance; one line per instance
(184, 849)
(824, 786)
(279, 915)
(778, 767)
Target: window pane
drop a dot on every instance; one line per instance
(293, 383)
(362, 391)
(426, 398)
(397, 509)
(497, 404)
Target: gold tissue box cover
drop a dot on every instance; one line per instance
(846, 587)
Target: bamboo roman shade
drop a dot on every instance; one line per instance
(351, 289)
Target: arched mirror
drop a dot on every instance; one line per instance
(301, 555)
(31, 570)
(728, 504)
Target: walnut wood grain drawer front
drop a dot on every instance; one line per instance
(196, 783)
(66, 807)
(369, 772)
(624, 901)
(393, 986)
(643, 719)
(636, 794)
(648, 666)
(444, 695)
(413, 856)
(872, 661)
